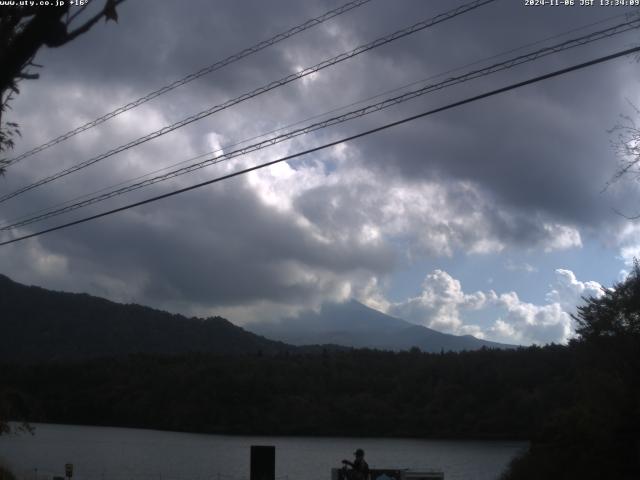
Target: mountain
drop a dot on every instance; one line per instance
(353, 324)
(41, 325)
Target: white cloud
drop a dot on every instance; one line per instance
(371, 294)
(428, 217)
(568, 292)
(629, 253)
(562, 237)
(523, 267)
(628, 239)
(444, 306)
(527, 323)
(440, 304)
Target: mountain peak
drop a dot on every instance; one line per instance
(354, 324)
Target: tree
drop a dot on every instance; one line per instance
(627, 147)
(616, 313)
(597, 435)
(23, 31)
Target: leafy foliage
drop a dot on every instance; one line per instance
(616, 314)
(8, 131)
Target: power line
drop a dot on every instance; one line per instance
(335, 120)
(266, 88)
(510, 63)
(336, 142)
(313, 117)
(191, 77)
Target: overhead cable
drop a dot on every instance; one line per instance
(333, 143)
(375, 107)
(191, 77)
(266, 88)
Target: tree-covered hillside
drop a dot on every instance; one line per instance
(483, 394)
(41, 325)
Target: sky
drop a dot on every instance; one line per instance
(494, 218)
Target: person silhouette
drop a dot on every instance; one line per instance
(359, 467)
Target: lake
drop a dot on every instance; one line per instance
(104, 453)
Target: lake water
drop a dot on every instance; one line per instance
(102, 453)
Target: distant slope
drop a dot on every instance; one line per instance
(38, 324)
(353, 324)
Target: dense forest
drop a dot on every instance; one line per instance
(489, 394)
(577, 403)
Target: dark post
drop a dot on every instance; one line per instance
(263, 462)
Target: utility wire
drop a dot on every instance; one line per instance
(313, 117)
(266, 88)
(191, 77)
(510, 63)
(336, 142)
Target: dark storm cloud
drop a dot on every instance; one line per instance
(533, 153)
(218, 247)
(158, 42)
(541, 149)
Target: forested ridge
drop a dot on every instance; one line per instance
(486, 394)
(43, 325)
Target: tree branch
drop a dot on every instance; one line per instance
(75, 15)
(45, 28)
(29, 76)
